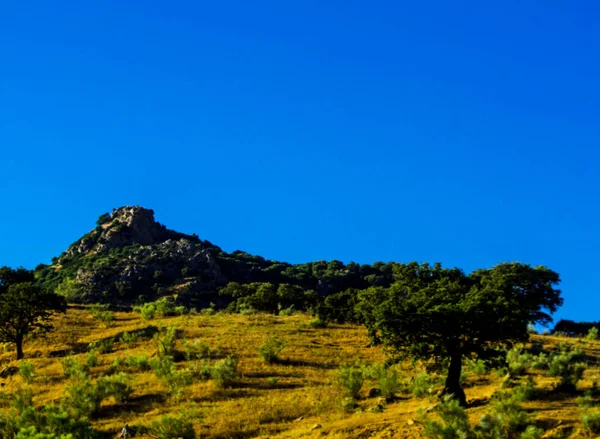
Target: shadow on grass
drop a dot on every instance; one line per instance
(136, 404)
(304, 363)
(264, 385)
(74, 348)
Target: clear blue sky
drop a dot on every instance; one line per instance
(460, 132)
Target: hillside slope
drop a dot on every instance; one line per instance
(294, 397)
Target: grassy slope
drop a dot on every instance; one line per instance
(303, 396)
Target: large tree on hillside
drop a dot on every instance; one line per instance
(444, 316)
(26, 308)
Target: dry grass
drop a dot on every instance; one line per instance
(296, 397)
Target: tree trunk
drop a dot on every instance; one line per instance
(452, 386)
(19, 343)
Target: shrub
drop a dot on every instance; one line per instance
(389, 381)
(592, 334)
(540, 362)
(270, 350)
(91, 358)
(83, 397)
(477, 367)
(286, 311)
(318, 323)
(102, 346)
(165, 341)
(147, 310)
(517, 360)
(72, 367)
(350, 380)
(196, 350)
(169, 427)
(526, 391)
(506, 420)
(590, 416)
(27, 371)
(453, 423)
(139, 362)
(102, 313)
(224, 372)
(422, 385)
(116, 386)
(48, 422)
(566, 366)
(129, 337)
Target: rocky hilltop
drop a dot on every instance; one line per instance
(129, 257)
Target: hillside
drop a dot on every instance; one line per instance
(296, 396)
(129, 257)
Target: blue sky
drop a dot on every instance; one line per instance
(460, 132)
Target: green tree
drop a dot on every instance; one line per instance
(10, 276)
(25, 308)
(433, 313)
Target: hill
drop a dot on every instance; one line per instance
(129, 257)
(296, 396)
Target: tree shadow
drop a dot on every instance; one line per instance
(265, 386)
(74, 348)
(137, 404)
(305, 363)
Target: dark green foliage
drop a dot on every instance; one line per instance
(442, 314)
(25, 308)
(571, 328)
(340, 307)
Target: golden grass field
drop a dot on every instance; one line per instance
(295, 398)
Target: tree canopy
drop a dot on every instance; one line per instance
(24, 307)
(444, 315)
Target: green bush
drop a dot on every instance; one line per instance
(162, 307)
(389, 381)
(270, 350)
(27, 371)
(115, 386)
(196, 350)
(566, 365)
(592, 334)
(318, 323)
(422, 385)
(102, 313)
(139, 362)
(147, 310)
(129, 337)
(224, 372)
(506, 420)
(83, 396)
(170, 427)
(72, 367)
(517, 360)
(102, 346)
(165, 341)
(453, 422)
(48, 422)
(590, 416)
(91, 358)
(477, 367)
(350, 380)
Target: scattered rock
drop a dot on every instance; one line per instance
(315, 427)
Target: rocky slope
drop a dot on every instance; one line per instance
(129, 257)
